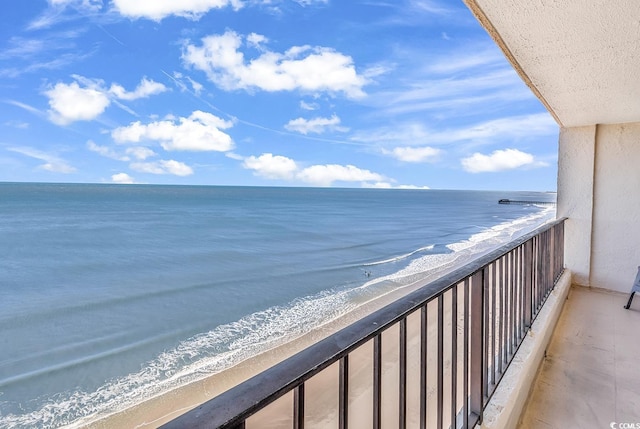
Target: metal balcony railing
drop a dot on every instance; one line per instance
(430, 359)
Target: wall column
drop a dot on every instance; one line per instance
(615, 241)
(576, 176)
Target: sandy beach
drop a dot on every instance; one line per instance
(321, 391)
(323, 388)
(165, 407)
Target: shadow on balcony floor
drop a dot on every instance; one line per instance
(590, 377)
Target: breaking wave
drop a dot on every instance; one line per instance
(225, 346)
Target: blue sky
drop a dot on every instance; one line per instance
(371, 93)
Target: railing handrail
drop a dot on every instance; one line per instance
(237, 404)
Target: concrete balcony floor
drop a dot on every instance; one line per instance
(590, 377)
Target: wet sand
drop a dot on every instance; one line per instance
(163, 408)
(158, 410)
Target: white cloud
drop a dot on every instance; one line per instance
(234, 156)
(387, 185)
(26, 107)
(325, 175)
(123, 178)
(272, 167)
(283, 168)
(156, 10)
(308, 106)
(51, 162)
(105, 151)
(428, 6)
(451, 92)
(199, 132)
(411, 187)
(459, 81)
(145, 88)
(377, 70)
(304, 68)
(60, 61)
(539, 124)
(514, 127)
(84, 4)
(163, 167)
(315, 125)
(20, 47)
(255, 40)
(414, 154)
(196, 86)
(407, 133)
(17, 124)
(140, 152)
(499, 160)
(179, 79)
(473, 57)
(71, 102)
(311, 2)
(57, 13)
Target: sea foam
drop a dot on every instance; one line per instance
(225, 346)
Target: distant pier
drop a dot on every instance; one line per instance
(508, 201)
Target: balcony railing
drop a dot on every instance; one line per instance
(430, 359)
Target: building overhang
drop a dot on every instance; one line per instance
(581, 59)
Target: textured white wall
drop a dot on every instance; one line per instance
(581, 58)
(599, 191)
(615, 253)
(576, 152)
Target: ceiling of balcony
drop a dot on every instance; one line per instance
(581, 58)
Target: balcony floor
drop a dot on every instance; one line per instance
(591, 374)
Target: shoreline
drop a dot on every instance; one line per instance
(168, 405)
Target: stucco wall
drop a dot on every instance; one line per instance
(615, 253)
(599, 191)
(576, 155)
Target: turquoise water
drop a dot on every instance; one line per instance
(110, 294)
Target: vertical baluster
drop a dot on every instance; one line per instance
(298, 407)
(528, 284)
(541, 280)
(512, 305)
(509, 308)
(525, 285)
(501, 314)
(550, 260)
(562, 243)
(343, 397)
(440, 373)
(477, 320)
(494, 282)
(545, 250)
(521, 292)
(465, 352)
(423, 367)
(402, 412)
(537, 275)
(516, 295)
(377, 381)
(561, 248)
(556, 252)
(533, 278)
(454, 355)
(487, 349)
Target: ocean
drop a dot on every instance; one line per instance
(111, 294)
